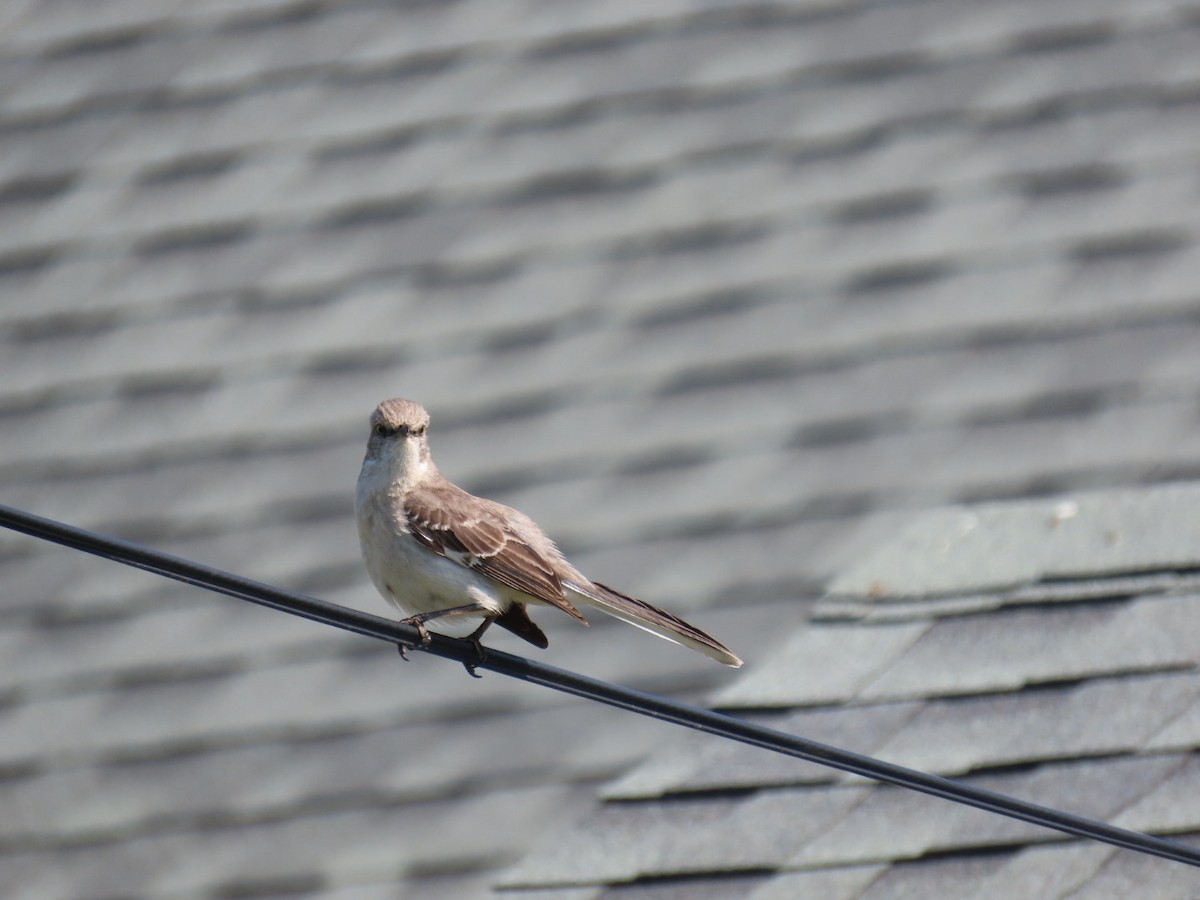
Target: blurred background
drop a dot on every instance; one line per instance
(719, 293)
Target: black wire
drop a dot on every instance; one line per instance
(580, 685)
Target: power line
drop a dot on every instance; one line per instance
(685, 714)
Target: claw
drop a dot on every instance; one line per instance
(480, 652)
(403, 652)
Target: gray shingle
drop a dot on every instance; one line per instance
(1130, 872)
(990, 547)
(843, 661)
(697, 763)
(1020, 648)
(586, 893)
(1048, 871)
(951, 737)
(408, 762)
(69, 21)
(1170, 807)
(1183, 731)
(180, 636)
(958, 878)
(259, 851)
(843, 883)
(1098, 718)
(620, 842)
(895, 824)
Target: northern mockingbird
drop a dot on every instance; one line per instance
(438, 553)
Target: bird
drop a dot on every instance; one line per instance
(443, 555)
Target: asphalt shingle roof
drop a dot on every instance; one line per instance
(1029, 697)
(723, 295)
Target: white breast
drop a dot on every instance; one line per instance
(411, 577)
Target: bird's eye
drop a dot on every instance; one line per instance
(381, 430)
(420, 429)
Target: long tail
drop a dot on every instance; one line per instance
(656, 621)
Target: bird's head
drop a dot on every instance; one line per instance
(399, 440)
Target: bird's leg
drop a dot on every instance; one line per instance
(475, 635)
(418, 622)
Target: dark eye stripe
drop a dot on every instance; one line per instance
(383, 430)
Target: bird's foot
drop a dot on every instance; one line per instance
(418, 623)
(480, 652)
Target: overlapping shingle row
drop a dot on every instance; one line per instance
(719, 293)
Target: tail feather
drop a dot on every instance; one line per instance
(516, 619)
(656, 621)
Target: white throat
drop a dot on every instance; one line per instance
(395, 467)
